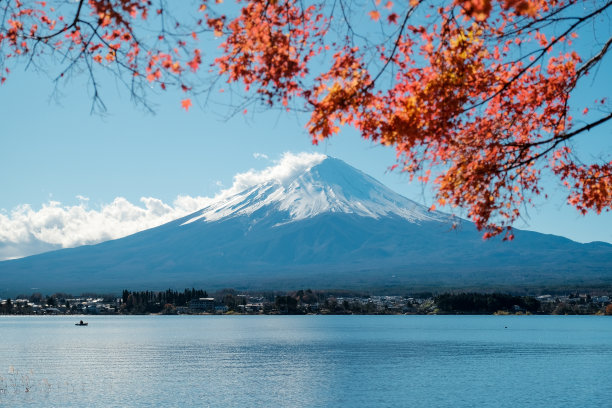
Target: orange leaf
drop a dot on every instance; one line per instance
(374, 15)
(186, 104)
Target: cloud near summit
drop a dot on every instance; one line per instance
(282, 171)
(25, 230)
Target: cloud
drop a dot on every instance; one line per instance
(26, 230)
(261, 156)
(283, 171)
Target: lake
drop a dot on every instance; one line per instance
(306, 361)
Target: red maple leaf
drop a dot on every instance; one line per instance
(186, 104)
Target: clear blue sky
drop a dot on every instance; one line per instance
(55, 149)
(52, 148)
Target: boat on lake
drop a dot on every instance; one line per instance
(81, 323)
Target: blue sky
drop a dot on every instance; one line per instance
(53, 150)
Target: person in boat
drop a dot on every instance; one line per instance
(81, 323)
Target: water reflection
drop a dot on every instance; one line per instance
(500, 361)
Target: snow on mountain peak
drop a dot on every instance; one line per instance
(305, 185)
(286, 169)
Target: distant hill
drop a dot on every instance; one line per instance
(329, 226)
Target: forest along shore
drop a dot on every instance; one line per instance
(230, 301)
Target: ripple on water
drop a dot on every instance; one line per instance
(357, 361)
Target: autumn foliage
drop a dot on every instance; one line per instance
(475, 95)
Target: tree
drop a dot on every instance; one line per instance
(7, 306)
(286, 304)
(476, 96)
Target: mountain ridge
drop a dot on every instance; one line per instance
(323, 225)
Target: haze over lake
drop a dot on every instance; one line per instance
(356, 361)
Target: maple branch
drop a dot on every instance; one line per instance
(76, 59)
(348, 24)
(394, 50)
(75, 21)
(541, 53)
(97, 100)
(556, 140)
(548, 19)
(4, 15)
(595, 59)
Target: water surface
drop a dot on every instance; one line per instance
(308, 361)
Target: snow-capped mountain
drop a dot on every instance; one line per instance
(327, 185)
(312, 221)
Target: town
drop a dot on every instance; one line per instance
(230, 301)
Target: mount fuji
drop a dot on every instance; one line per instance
(318, 223)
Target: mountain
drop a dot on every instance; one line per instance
(322, 224)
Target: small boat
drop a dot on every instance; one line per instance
(81, 323)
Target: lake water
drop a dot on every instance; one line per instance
(306, 361)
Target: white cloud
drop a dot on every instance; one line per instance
(261, 156)
(283, 171)
(26, 230)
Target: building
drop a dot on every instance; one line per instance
(202, 305)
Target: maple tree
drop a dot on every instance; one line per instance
(475, 95)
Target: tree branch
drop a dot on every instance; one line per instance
(554, 140)
(75, 21)
(541, 53)
(587, 65)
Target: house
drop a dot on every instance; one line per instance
(92, 309)
(202, 305)
(545, 298)
(181, 309)
(253, 307)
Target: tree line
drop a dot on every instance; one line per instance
(304, 301)
(157, 302)
(479, 303)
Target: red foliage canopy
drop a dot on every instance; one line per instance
(473, 94)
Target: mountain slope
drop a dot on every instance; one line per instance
(324, 224)
(328, 186)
